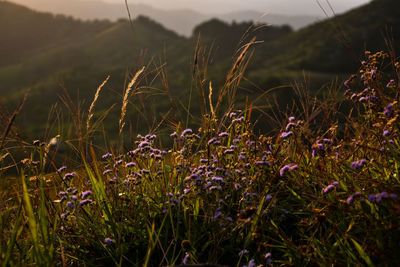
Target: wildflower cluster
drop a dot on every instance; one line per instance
(224, 194)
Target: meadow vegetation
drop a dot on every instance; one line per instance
(322, 190)
(222, 175)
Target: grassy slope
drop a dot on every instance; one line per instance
(321, 47)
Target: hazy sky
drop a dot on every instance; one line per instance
(270, 6)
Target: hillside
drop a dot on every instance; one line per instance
(337, 45)
(51, 51)
(180, 20)
(25, 32)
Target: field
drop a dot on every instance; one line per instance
(321, 190)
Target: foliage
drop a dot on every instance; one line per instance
(316, 193)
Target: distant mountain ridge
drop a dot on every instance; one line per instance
(181, 21)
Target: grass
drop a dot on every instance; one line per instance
(323, 190)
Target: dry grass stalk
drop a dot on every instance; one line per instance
(236, 72)
(210, 99)
(11, 121)
(96, 96)
(125, 101)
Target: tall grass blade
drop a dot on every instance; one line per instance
(96, 96)
(31, 221)
(15, 233)
(362, 253)
(125, 100)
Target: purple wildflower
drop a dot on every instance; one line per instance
(62, 168)
(243, 252)
(329, 188)
(64, 215)
(218, 179)
(174, 135)
(70, 205)
(130, 164)
(380, 196)
(237, 186)
(358, 164)
(223, 134)
(390, 83)
(291, 118)
(236, 140)
(324, 140)
(262, 162)
(285, 135)
(62, 193)
(217, 214)
(386, 133)
(69, 175)
(371, 198)
(350, 199)
(268, 258)
(108, 241)
(388, 112)
(73, 197)
(240, 119)
(186, 132)
(240, 158)
(106, 156)
(133, 152)
(252, 263)
(290, 125)
(107, 171)
(288, 167)
(151, 137)
(228, 151)
(144, 144)
(212, 141)
(186, 258)
(84, 202)
(145, 171)
(363, 99)
(118, 162)
(250, 143)
(86, 193)
(232, 114)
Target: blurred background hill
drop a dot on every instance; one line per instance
(45, 53)
(179, 19)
